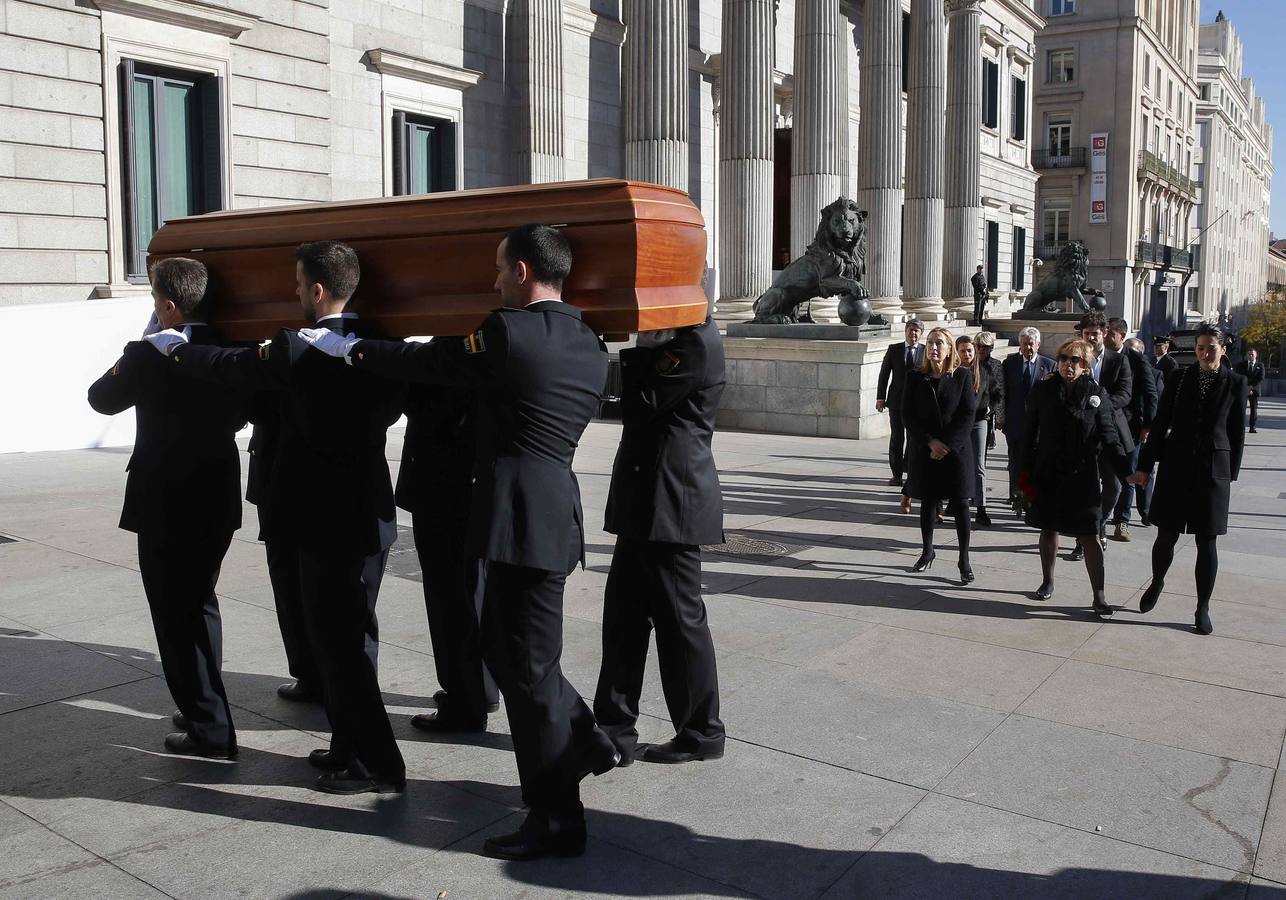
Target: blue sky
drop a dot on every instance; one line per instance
(1260, 25)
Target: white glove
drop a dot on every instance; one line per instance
(166, 341)
(328, 342)
(153, 325)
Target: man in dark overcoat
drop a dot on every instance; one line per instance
(899, 359)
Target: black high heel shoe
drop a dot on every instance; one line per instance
(925, 560)
(1149, 599)
(1101, 607)
(1045, 591)
(966, 573)
(1203, 624)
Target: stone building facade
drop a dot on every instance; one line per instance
(1115, 110)
(1235, 170)
(120, 113)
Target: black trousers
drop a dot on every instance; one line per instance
(340, 590)
(283, 572)
(979, 306)
(553, 729)
(179, 576)
(897, 443)
(453, 591)
(1254, 409)
(655, 584)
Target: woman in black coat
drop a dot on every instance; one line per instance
(938, 405)
(1197, 436)
(1069, 421)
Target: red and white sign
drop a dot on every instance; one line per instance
(1098, 178)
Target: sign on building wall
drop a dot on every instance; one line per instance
(1098, 178)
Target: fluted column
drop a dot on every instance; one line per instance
(963, 220)
(536, 88)
(745, 152)
(925, 152)
(819, 148)
(656, 92)
(880, 149)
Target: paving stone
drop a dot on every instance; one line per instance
(1271, 863)
(37, 668)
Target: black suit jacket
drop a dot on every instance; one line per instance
(893, 375)
(944, 410)
(1014, 414)
(329, 484)
(1117, 381)
(438, 449)
(184, 474)
(1167, 366)
(1254, 375)
(1143, 392)
(665, 486)
(539, 373)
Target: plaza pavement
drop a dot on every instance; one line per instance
(890, 735)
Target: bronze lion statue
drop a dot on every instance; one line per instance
(1066, 282)
(834, 264)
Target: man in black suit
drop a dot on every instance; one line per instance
(1112, 373)
(183, 500)
(1142, 408)
(1022, 371)
(979, 282)
(539, 372)
(663, 503)
(1165, 363)
(1253, 369)
(899, 359)
(330, 491)
(434, 486)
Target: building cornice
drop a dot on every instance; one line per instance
(426, 71)
(1022, 11)
(184, 13)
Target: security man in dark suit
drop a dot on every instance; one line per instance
(1022, 371)
(899, 359)
(1165, 363)
(1253, 370)
(330, 489)
(539, 372)
(1110, 372)
(1139, 415)
(664, 502)
(434, 486)
(183, 500)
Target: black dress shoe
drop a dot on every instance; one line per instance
(527, 844)
(922, 564)
(184, 744)
(633, 753)
(180, 721)
(982, 520)
(1149, 599)
(440, 700)
(895, 481)
(346, 782)
(445, 723)
(1101, 607)
(1203, 625)
(1045, 591)
(324, 759)
(298, 692)
(670, 752)
(1078, 553)
(966, 574)
(599, 761)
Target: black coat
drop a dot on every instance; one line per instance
(1117, 381)
(1198, 444)
(265, 438)
(1254, 375)
(893, 370)
(1143, 392)
(1014, 414)
(434, 479)
(1064, 436)
(184, 476)
(665, 486)
(329, 483)
(991, 389)
(1167, 366)
(941, 408)
(539, 373)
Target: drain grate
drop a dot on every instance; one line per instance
(740, 545)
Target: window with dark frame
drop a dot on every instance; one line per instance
(993, 254)
(1018, 109)
(1020, 258)
(990, 94)
(423, 154)
(172, 152)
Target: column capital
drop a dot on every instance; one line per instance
(964, 7)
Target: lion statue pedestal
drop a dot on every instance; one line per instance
(1066, 283)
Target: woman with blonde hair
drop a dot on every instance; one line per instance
(938, 406)
(1069, 422)
(989, 392)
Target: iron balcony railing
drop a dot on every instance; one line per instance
(1063, 158)
(1151, 164)
(1164, 256)
(1049, 249)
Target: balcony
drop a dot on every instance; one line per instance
(1151, 165)
(1164, 256)
(1049, 249)
(1064, 158)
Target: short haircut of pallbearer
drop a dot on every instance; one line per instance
(332, 265)
(545, 251)
(182, 281)
(1093, 319)
(1117, 325)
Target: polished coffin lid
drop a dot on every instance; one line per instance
(428, 260)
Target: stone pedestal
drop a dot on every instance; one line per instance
(820, 383)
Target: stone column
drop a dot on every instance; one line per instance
(926, 150)
(819, 150)
(880, 150)
(656, 92)
(745, 153)
(536, 88)
(963, 222)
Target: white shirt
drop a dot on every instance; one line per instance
(338, 315)
(1096, 368)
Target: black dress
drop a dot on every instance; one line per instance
(1197, 436)
(940, 407)
(1067, 427)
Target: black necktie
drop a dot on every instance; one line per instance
(1030, 371)
(910, 356)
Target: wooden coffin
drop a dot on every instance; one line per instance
(428, 261)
